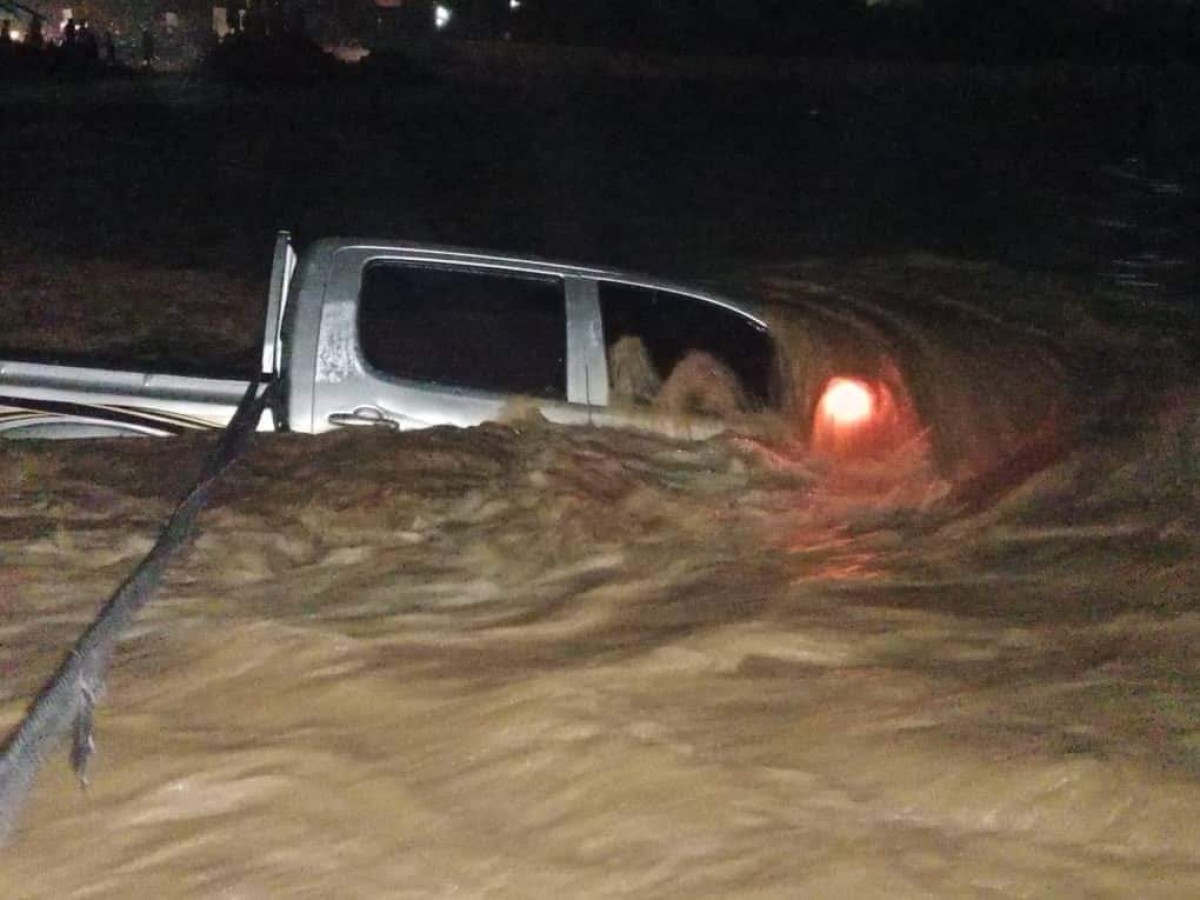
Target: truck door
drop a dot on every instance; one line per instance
(455, 343)
(282, 267)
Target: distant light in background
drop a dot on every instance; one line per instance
(442, 16)
(220, 21)
(351, 52)
(514, 4)
(15, 36)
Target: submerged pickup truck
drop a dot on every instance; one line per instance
(402, 335)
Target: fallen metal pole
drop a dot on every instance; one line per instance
(66, 702)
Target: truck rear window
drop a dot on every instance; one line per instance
(651, 335)
(470, 328)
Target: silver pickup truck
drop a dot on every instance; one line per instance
(402, 335)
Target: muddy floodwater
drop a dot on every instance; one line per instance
(522, 660)
(518, 660)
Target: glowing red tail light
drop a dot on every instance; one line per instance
(855, 417)
(846, 403)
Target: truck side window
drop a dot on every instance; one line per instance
(683, 354)
(465, 327)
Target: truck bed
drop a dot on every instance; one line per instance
(45, 401)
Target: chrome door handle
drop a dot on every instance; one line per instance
(364, 415)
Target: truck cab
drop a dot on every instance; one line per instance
(410, 335)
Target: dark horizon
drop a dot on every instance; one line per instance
(1145, 31)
